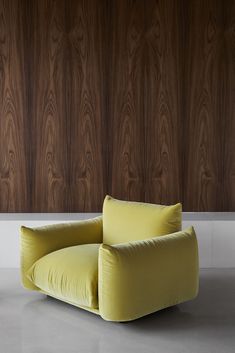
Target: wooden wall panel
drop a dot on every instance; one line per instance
(128, 97)
(13, 151)
(162, 102)
(87, 111)
(203, 118)
(48, 112)
(228, 104)
(126, 135)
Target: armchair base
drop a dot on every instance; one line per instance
(91, 310)
(97, 312)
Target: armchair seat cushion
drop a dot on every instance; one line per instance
(70, 274)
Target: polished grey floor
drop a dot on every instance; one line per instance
(33, 323)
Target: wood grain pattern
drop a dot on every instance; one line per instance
(87, 110)
(128, 97)
(126, 111)
(162, 103)
(13, 157)
(202, 126)
(228, 104)
(50, 165)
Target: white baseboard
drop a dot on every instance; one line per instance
(215, 233)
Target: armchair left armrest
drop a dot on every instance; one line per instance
(38, 242)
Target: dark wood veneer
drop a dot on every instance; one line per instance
(128, 97)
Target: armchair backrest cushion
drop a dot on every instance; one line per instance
(125, 221)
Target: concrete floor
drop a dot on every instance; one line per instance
(33, 323)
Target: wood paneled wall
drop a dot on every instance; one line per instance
(128, 97)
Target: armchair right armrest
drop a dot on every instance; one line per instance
(140, 277)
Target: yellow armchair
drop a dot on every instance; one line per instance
(122, 265)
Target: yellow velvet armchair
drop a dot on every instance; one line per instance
(131, 261)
